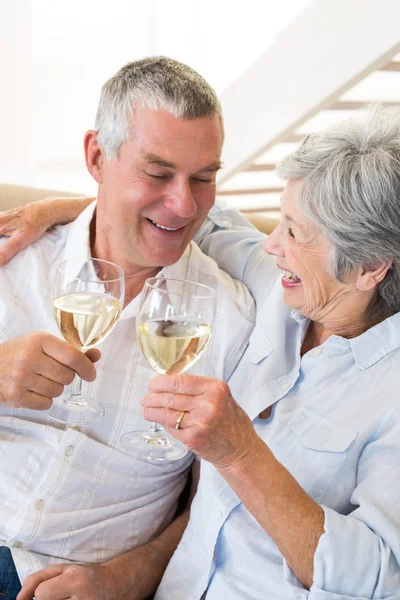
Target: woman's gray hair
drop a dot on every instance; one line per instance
(158, 83)
(351, 189)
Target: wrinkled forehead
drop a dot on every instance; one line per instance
(290, 200)
(167, 124)
(158, 137)
(291, 212)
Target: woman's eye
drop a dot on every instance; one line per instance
(290, 232)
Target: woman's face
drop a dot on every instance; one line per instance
(303, 254)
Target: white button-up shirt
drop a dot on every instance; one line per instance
(72, 493)
(335, 425)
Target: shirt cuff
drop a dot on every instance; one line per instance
(299, 592)
(347, 561)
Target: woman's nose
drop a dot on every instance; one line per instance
(273, 243)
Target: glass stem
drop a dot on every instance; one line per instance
(75, 396)
(155, 428)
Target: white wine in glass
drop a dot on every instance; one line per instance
(173, 346)
(85, 319)
(88, 300)
(173, 328)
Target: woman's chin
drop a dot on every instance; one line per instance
(293, 296)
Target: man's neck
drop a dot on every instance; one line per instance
(135, 275)
(134, 282)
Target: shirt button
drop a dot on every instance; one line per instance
(224, 222)
(39, 504)
(17, 544)
(68, 450)
(219, 514)
(317, 351)
(285, 386)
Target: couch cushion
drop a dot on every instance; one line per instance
(12, 196)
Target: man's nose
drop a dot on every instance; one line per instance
(273, 243)
(181, 202)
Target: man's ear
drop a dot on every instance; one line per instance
(368, 279)
(94, 155)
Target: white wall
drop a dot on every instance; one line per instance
(328, 48)
(56, 55)
(15, 90)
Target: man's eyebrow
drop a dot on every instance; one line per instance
(154, 159)
(215, 166)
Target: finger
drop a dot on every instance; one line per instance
(167, 418)
(32, 582)
(69, 356)
(36, 401)
(178, 402)
(54, 371)
(94, 355)
(57, 588)
(9, 219)
(44, 387)
(179, 384)
(17, 242)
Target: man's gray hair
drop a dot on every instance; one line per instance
(158, 83)
(351, 189)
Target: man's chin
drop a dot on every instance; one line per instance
(166, 259)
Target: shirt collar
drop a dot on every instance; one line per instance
(297, 316)
(369, 347)
(78, 239)
(375, 343)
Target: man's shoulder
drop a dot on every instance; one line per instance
(26, 284)
(37, 258)
(52, 240)
(205, 270)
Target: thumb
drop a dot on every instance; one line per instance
(35, 579)
(17, 242)
(94, 354)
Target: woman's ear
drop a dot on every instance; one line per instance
(94, 156)
(368, 279)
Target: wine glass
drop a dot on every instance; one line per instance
(88, 300)
(173, 327)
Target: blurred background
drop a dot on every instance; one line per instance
(282, 68)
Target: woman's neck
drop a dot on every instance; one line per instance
(317, 333)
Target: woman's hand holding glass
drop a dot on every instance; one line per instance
(215, 427)
(174, 327)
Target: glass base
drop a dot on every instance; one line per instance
(65, 410)
(153, 446)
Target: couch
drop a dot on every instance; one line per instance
(12, 196)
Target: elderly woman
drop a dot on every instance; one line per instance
(299, 493)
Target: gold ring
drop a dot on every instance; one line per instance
(180, 419)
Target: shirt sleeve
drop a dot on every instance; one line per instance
(232, 241)
(358, 555)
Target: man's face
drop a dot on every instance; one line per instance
(154, 198)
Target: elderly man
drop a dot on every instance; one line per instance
(73, 494)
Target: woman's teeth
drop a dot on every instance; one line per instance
(290, 276)
(162, 226)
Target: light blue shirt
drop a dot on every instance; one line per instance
(335, 426)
